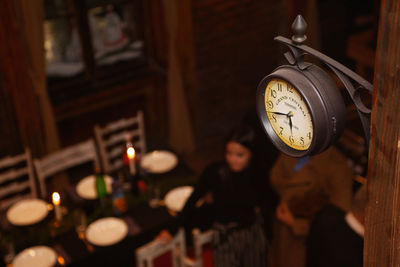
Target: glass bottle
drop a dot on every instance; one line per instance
(101, 189)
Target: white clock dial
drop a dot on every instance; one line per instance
(288, 114)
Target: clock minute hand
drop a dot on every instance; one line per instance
(290, 124)
(290, 115)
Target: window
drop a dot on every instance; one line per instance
(87, 40)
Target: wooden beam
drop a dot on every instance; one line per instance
(180, 75)
(17, 80)
(10, 144)
(382, 238)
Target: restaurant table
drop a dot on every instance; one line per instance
(144, 223)
(147, 224)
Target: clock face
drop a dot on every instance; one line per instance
(288, 114)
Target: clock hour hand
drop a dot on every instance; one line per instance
(278, 113)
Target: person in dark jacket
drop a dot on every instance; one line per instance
(337, 238)
(239, 189)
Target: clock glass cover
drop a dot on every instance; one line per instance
(288, 114)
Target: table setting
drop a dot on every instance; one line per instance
(159, 161)
(29, 224)
(86, 187)
(156, 164)
(106, 231)
(78, 237)
(63, 234)
(175, 199)
(27, 212)
(36, 256)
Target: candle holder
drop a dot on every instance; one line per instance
(56, 204)
(131, 159)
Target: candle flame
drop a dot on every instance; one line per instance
(56, 198)
(131, 152)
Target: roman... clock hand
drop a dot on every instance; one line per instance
(290, 115)
(278, 113)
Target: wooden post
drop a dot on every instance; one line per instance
(382, 238)
(16, 79)
(180, 74)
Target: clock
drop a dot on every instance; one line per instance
(299, 105)
(301, 110)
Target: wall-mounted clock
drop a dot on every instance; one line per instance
(300, 106)
(302, 111)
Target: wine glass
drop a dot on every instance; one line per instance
(154, 201)
(80, 227)
(80, 222)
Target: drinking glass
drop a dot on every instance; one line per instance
(80, 222)
(155, 194)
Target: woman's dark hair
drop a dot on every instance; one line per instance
(244, 135)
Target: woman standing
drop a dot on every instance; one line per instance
(239, 190)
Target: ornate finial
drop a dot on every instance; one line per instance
(299, 27)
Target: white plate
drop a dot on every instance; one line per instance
(86, 188)
(106, 231)
(176, 198)
(159, 161)
(39, 256)
(27, 212)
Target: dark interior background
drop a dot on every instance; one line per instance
(233, 50)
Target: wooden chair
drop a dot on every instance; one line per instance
(146, 254)
(199, 240)
(63, 160)
(111, 140)
(16, 179)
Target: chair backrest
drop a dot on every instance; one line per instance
(64, 159)
(16, 179)
(111, 140)
(146, 254)
(199, 240)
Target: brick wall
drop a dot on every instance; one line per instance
(234, 49)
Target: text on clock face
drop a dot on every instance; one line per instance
(292, 100)
(288, 114)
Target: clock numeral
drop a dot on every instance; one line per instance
(289, 88)
(270, 104)
(279, 87)
(291, 139)
(273, 93)
(309, 135)
(281, 131)
(274, 117)
(302, 140)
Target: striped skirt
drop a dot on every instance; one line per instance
(236, 246)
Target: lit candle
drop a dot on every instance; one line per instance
(56, 203)
(131, 156)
